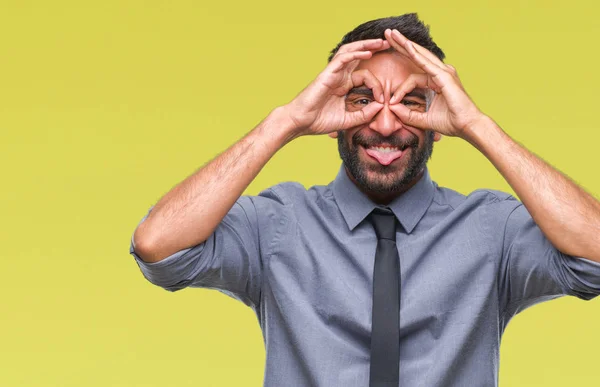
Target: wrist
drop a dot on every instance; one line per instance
(473, 130)
(482, 132)
(281, 125)
(288, 114)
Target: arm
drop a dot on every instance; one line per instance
(568, 216)
(190, 212)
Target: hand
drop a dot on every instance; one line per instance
(451, 112)
(320, 108)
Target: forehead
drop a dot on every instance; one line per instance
(389, 66)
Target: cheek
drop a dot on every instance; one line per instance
(349, 135)
(420, 134)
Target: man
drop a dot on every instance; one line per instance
(343, 300)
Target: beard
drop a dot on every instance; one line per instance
(389, 178)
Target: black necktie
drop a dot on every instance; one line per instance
(385, 333)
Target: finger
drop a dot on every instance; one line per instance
(394, 44)
(342, 60)
(401, 39)
(417, 56)
(365, 77)
(410, 117)
(439, 74)
(412, 82)
(364, 45)
(361, 116)
(433, 58)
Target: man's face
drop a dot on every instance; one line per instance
(386, 170)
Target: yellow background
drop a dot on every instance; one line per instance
(104, 106)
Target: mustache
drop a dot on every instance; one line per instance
(366, 141)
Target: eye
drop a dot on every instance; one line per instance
(408, 102)
(358, 100)
(362, 101)
(413, 105)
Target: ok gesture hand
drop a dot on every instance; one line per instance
(451, 112)
(320, 108)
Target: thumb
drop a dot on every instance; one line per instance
(363, 115)
(410, 117)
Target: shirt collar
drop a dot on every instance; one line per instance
(409, 207)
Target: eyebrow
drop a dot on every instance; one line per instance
(361, 91)
(418, 93)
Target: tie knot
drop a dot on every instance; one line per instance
(384, 223)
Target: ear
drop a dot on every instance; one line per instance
(333, 134)
(437, 136)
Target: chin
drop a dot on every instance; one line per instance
(383, 182)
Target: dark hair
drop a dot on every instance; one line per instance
(408, 24)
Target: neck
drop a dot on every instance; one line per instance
(385, 198)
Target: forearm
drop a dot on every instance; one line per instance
(189, 213)
(567, 215)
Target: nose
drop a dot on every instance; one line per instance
(385, 122)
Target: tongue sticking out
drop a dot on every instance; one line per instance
(384, 158)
